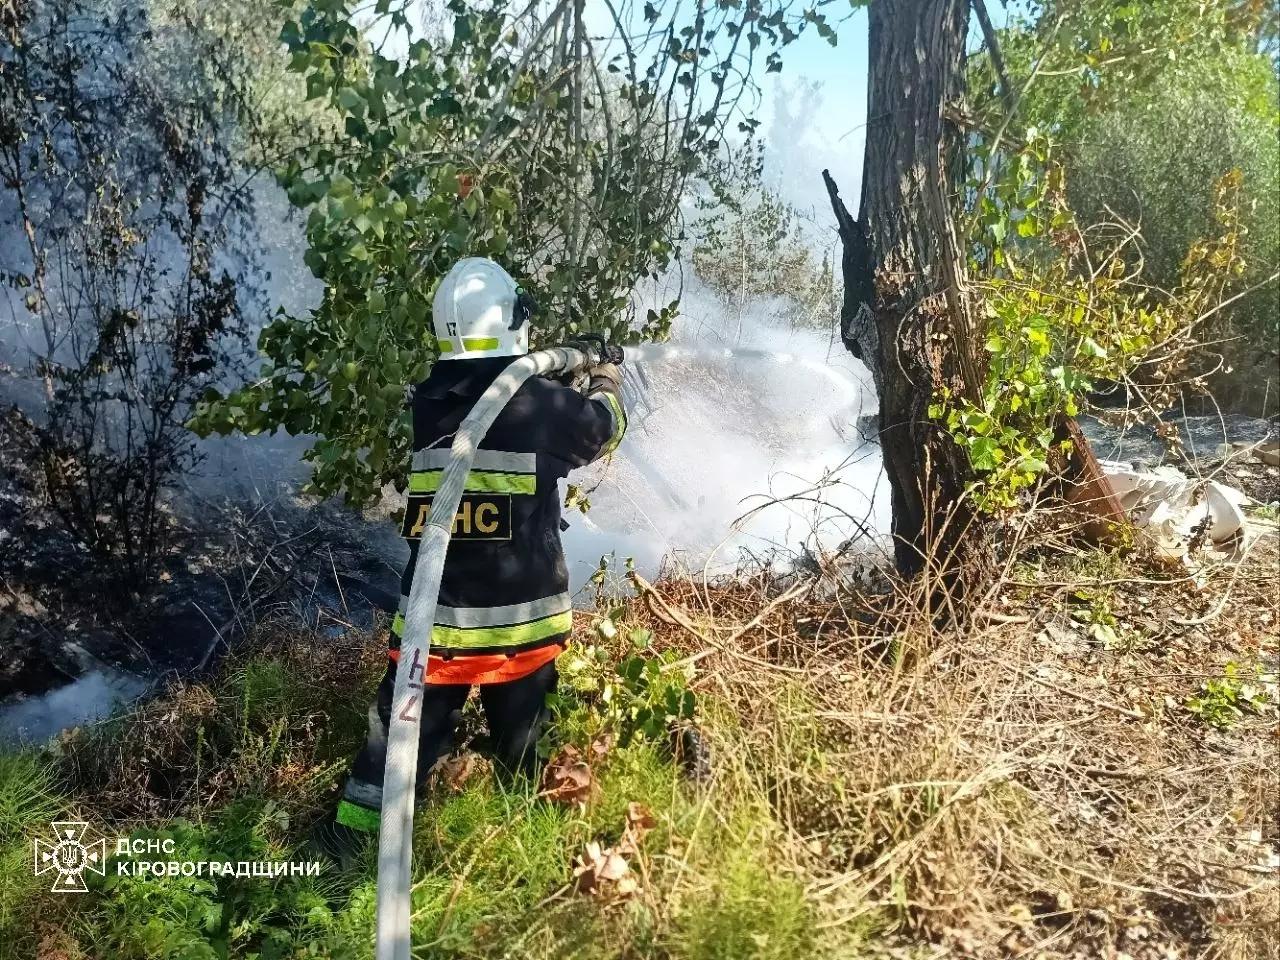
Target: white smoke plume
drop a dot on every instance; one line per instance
(747, 438)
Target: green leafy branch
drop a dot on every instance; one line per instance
(1060, 319)
(506, 138)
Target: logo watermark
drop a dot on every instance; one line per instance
(69, 855)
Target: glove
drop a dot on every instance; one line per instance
(594, 345)
(608, 373)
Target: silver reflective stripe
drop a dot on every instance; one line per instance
(603, 400)
(438, 458)
(365, 794)
(512, 613)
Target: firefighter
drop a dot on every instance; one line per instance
(504, 612)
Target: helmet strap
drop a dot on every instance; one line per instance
(526, 308)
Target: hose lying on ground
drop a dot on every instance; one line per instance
(395, 844)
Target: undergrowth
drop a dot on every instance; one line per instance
(880, 786)
(237, 769)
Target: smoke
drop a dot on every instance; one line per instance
(261, 468)
(744, 432)
(744, 437)
(801, 142)
(747, 433)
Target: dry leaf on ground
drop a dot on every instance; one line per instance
(640, 820)
(568, 779)
(456, 770)
(601, 746)
(604, 872)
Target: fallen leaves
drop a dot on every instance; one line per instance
(568, 778)
(599, 871)
(455, 770)
(600, 746)
(640, 821)
(605, 872)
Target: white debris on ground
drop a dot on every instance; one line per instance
(1177, 511)
(1172, 506)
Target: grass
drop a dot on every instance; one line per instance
(29, 801)
(880, 787)
(237, 769)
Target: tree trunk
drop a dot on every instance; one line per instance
(906, 308)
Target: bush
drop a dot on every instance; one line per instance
(134, 268)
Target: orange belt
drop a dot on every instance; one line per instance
(473, 669)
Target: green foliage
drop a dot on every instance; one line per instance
(273, 114)
(1093, 610)
(496, 140)
(1152, 104)
(749, 913)
(1019, 209)
(1059, 318)
(624, 687)
(1223, 701)
(495, 860)
(496, 854)
(1096, 53)
(1127, 166)
(28, 794)
(211, 917)
(752, 245)
(1107, 250)
(29, 801)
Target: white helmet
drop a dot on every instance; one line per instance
(479, 311)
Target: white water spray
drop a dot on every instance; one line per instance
(746, 447)
(658, 352)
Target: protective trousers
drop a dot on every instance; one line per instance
(516, 712)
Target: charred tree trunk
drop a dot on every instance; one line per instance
(906, 306)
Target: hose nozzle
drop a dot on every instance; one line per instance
(596, 348)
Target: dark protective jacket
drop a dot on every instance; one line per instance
(504, 607)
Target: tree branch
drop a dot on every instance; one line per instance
(857, 326)
(993, 47)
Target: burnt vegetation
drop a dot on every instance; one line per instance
(129, 273)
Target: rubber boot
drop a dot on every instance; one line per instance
(341, 845)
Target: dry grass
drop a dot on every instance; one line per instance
(281, 717)
(1023, 786)
(1019, 788)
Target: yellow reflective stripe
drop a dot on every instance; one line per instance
(469, 344)
(428, 481)
(465, 638)
(357, 817)
(494, 461)
(619, 422)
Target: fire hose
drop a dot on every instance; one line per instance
(395, 843)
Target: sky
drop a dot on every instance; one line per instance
(813, 117)
(811, 114)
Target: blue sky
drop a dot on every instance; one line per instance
(813, 116)
(814, 112)
(811, 113)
